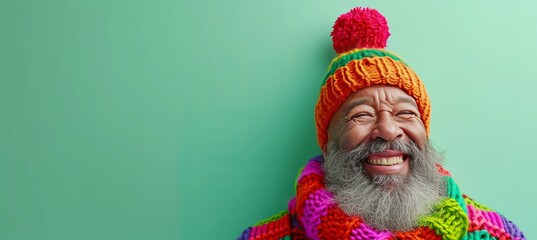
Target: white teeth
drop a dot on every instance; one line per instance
(386, 161)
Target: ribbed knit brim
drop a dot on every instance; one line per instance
(362, 68)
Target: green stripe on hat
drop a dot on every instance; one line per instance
(358, 55)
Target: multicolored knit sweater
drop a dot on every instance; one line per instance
(313, 214)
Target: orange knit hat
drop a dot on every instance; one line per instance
(359, 37)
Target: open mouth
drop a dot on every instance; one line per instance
(385, 161)
(387, 158)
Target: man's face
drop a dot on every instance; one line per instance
(379, 112)
(377, 152)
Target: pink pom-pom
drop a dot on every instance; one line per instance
(360, 28)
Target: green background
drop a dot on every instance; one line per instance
(189, 119)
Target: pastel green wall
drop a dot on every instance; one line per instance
(190, 119)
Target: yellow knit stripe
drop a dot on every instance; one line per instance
(272, 218)
(448, 220)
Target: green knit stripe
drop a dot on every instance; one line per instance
(272, 218)
(285, 238)
(476, 205)
(448, 220)
(454, 192)
(358, 55)
(480, 235)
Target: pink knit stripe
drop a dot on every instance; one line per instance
(315, 207)
(291, 205)
(494, 219)
(490, 221)
(256, 231)
(363, 232)
(312, 167)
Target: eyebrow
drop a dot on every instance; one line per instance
(355, 103)
(410, 100)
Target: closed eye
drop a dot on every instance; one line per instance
(406, 114)
(361, 116)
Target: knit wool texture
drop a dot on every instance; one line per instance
(314, 214)
(359, 38)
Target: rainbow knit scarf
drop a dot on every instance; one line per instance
(313, 214)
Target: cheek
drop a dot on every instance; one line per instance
(353, 136)
(416, 132)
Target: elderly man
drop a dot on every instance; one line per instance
(378, 177)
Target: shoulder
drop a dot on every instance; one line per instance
(485, 222)
(274, 227)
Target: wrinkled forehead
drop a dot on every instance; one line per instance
(378, 95)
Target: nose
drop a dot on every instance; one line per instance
(386, 127)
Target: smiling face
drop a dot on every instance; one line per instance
(379, 112)
(378, 152)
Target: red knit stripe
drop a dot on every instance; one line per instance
(273, 230)
(417, 234)
(307, 185)
(336, 224)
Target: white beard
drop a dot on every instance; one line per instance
(397, 207)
